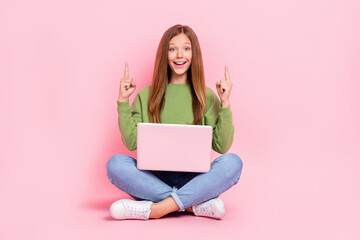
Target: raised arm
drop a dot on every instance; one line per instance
(219, 115)
(128, 116)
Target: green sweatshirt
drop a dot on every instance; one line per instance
(177, 110)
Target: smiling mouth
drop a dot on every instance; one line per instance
(179, 63)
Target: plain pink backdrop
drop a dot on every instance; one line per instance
(295, 101)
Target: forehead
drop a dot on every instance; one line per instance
(180, 39)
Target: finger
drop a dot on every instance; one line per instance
(226, 89)
(132, 89)
(226, 84)
(218, 88)
(126, 72)
(126, 80)
(125, 85)
(227, 76)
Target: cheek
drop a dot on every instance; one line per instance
(190, 56)
(170, 58)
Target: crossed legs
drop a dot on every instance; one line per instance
(224, 173)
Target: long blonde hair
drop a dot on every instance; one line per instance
(162, 73)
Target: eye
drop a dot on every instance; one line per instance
(187, 48)
(171, 49)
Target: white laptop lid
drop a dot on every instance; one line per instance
(174, 147)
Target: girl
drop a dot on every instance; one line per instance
(177, 95)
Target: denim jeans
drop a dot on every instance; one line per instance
(186, 188)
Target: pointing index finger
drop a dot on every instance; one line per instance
(126, 72)
(227, 77)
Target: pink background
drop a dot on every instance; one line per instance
(295, 100)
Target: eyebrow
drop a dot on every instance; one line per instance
(185, 43)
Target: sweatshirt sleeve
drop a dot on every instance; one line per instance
(222, 122)
(128, 119)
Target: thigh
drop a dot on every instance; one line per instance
(140, 184)
(224, 173)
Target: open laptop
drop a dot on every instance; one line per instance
(174, 147)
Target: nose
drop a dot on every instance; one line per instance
(179, 53)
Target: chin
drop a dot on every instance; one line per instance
(179, 72)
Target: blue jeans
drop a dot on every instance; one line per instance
(186, 188)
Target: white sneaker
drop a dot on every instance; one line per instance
(129, 209)
(213, 208)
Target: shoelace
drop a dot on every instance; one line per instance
(136, 212)
(204, 208)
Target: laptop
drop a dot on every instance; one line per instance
(174, 147)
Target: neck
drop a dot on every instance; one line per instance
(179, 79)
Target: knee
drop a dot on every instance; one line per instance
(116, 163)
(235, 161)
(233, 164)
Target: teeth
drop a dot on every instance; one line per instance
(179, 63)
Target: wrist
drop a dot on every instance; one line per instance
(121, 99)
(225, 103)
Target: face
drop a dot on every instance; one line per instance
(180, 54)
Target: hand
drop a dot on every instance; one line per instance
(224, 88)
(127, 85)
